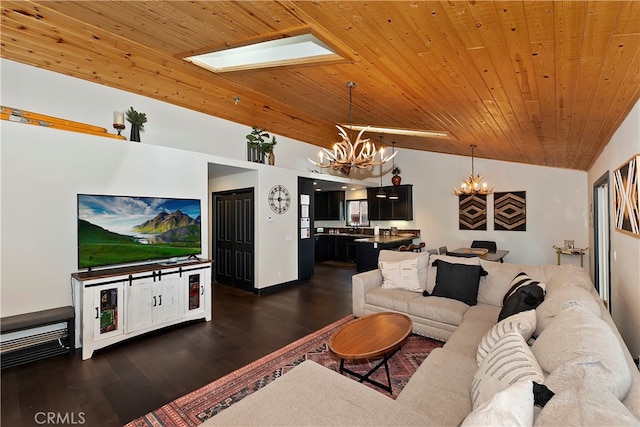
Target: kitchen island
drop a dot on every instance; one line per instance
(367, 249)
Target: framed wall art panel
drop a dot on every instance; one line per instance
(626, 187)
(473, 212)
(510, 211)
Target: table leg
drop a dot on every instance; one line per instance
(366, 377)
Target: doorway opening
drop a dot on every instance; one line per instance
(602, 227)
(233, 236)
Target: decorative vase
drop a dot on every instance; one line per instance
(395, 180)
(135, 133)
(271, 158)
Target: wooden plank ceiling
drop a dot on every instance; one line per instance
(544, 83)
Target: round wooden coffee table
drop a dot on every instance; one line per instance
(368, 337)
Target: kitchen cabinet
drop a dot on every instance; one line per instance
(386, 209)
(324, 247)
(329, 205)
(345, 249)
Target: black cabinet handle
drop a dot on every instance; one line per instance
(160, 298)
(96, 312)
(155, 302)
(201, 290)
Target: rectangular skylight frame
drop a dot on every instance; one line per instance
(301, 49)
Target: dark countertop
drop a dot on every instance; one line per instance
(344, 235)
(385, 239)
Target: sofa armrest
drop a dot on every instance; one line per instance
(361, 284)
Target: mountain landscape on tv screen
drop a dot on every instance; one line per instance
(163, 236)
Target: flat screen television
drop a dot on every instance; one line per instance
(126, 229)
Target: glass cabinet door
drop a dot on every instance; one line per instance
(108, 301)
(196, 291)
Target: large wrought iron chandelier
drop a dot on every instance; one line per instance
(346, 154)
(473, 184)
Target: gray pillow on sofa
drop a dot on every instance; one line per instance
(457, 281)
(558, 297)
(579, 346)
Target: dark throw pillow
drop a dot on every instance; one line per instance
(524, 294)
(458, 281)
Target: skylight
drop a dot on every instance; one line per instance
(301, 49)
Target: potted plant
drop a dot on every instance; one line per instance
(395, 180)
(137, 121)
(258, 140)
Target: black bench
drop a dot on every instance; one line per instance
(37, 346)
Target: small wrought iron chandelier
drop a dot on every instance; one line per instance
(346, 154)
(472, 184)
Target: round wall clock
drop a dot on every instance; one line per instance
(279, 199)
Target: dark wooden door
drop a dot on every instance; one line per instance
(234, 238)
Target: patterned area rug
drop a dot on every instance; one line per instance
(199, 405)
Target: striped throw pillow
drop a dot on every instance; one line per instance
(509, 361)
(524, 294)
(524, 323)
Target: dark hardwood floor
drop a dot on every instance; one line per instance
(125, 381)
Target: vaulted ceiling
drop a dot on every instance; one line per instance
(544, 83)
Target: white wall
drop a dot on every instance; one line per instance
(625, 268)
(43, 170)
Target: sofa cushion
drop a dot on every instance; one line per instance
(585, 405)
(556, 298)
(457, 281)
(495, 284)
(510, 360)
(512, 406)
(468, 335)
(392, 299)
(444, 310)
(579, 346)
(422, 257)
(312, 395)
(443, 393)
(482, 312)
(400, 275)
(432, 269)
(524, 294)
(570, 274)
(524, 323)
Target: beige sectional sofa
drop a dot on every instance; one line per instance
(573, 347)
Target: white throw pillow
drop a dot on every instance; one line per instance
(432, 271)
(580, 346)
(397, 256)
(512, 406)
(509, 361)
(400, 275)
(524, 323)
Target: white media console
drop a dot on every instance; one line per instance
(117, 304)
